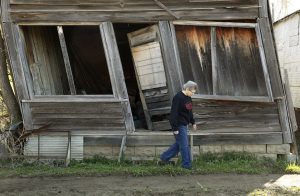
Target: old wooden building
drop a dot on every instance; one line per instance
(101, 74)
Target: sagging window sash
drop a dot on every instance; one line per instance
(68, 60)
(226, 59)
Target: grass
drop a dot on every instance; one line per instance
(293, 168)
(100, 166)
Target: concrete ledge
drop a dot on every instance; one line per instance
(255, 148)
(210, 148)
(278, 149)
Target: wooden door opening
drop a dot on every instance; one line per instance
(145, 74)
(121, 31)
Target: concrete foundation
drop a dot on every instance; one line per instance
(268, 150)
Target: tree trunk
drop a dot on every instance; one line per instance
(5, 87)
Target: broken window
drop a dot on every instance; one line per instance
(222, 60)
(72, 62)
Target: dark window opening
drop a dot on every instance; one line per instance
(121, 31)
(87, 58)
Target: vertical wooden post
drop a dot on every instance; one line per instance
(270, 49)
(66, 59)
(214, 61)
(171, 58)
(116, 71)
(264, 63)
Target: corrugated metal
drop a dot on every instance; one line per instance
(55, 146)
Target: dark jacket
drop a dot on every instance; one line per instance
(181, 111)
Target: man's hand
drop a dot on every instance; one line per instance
(175, 132)
(194, 127)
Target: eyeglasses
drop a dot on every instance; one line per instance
(193, 91)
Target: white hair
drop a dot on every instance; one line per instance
(189, 84)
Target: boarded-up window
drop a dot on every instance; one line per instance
(223, 61)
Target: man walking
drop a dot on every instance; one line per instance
(181, 115)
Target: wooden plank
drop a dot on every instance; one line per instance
(233, 98)
(267, 138)
(5, 11)
(161, 125)
(264, 63)
(78, 121)
(22, 55)
(66, 60)
(82, 127)
(214, 24)
(284, 120)
(115, 65)
(133, 16)
(166, 8)
(214, 59)
(27, 116)
(142, 2)
(271, 57)
(176, 55)
(290, 106)
(17, 70)
(171, 59)
(263, 8)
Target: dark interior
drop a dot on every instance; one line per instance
(87, 59)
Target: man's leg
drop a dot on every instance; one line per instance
(184, 147)
(171, 152)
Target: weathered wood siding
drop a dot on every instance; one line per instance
(45, 61)
(130, 10)
(236, 69)
(80, 116)
(233, 116)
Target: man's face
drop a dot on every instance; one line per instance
(190, 92)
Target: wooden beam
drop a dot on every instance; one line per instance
(116, 71)
(263, 8)
(214, 24)
(264, 63)
(171, 57)
(166, 8)
(214, 59)
(284, 120)
(289, 100)
(177, 56)
(65, 54)
(4, 11)
(271, 57)
(20, 42)
(9, 32)
(233, 98)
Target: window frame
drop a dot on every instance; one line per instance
(102, 32)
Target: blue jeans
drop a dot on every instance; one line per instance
(181, 145)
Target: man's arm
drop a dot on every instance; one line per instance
(174, 113)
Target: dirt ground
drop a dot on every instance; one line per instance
(219, 184)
